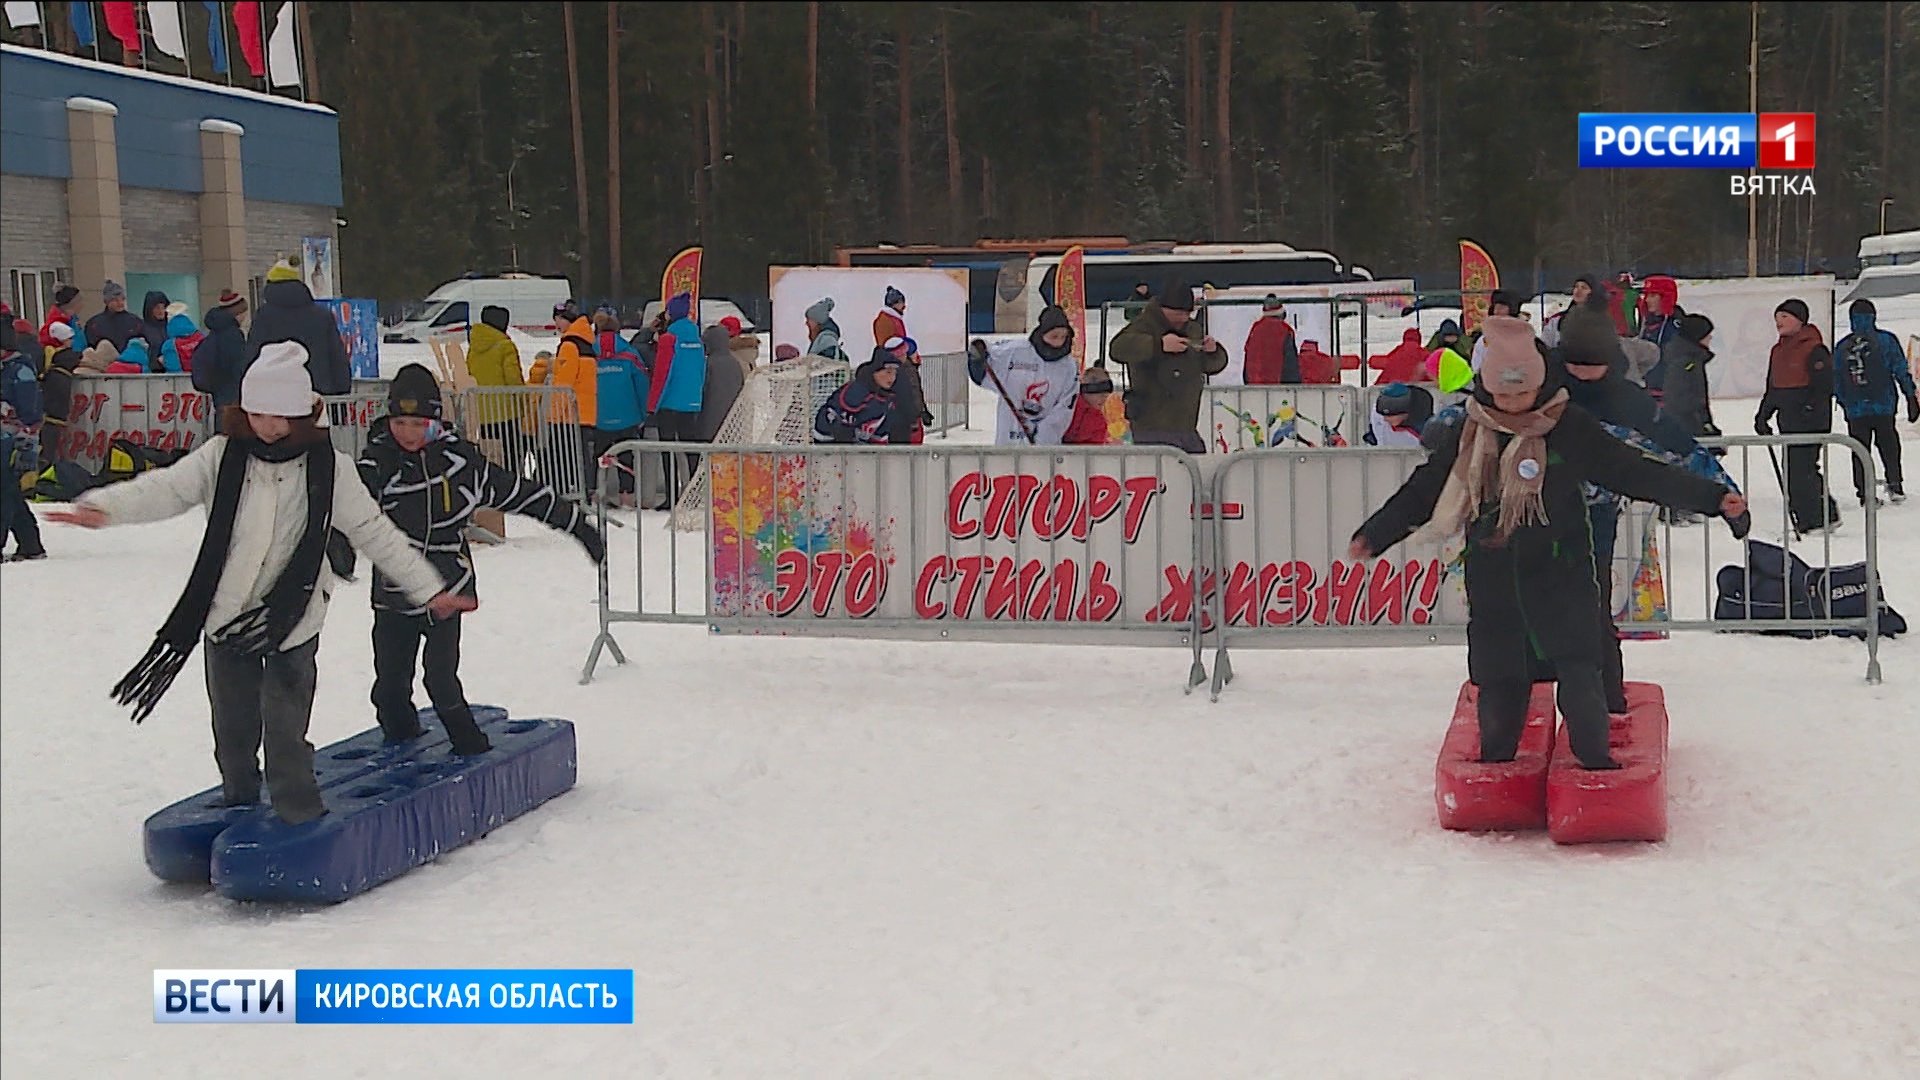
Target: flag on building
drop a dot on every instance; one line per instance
(124, 24)
(168, 35)
(283, 56)
(81, 16)
(217, 35)
(22, 14)
(253, 49)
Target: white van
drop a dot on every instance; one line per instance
(450, 308)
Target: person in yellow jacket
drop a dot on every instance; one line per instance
(494, 360)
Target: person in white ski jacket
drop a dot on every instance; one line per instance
(1037, 376)
(259, 588)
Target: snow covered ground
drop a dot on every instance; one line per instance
(850, 858)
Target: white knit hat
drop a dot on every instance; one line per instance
(60, 332)
(277, 383)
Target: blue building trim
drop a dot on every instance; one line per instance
(290, 153)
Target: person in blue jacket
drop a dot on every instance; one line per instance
(181, 333)
(1870, 376)
(221, 359)
(865, 411)
(620, 391)
(679, 384)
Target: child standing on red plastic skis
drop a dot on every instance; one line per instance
(1509, 480)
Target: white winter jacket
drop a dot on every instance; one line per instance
(1044, 390)
(267, 528)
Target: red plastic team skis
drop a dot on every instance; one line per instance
(1545, 787)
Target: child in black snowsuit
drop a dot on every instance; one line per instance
(429, 481)
(1509, 477)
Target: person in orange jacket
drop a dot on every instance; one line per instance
(574, 365)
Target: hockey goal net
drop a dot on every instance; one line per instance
(776, 407)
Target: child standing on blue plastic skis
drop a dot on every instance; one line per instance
(273, 485)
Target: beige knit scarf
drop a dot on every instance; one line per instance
(1521, 470)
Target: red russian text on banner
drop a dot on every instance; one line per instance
(1070, 293)
(1478, 279)
(683, 276)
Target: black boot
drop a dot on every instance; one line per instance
(465, 734)
(1503, 718)
(1583, 706)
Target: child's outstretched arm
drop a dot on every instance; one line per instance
(1411, 506)
(1618, 467)
(150, 496)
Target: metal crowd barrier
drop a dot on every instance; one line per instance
(161, 411)
(1141, 546)
(1284, 580)
(943, 377)
(530, 430)
(349, 418)
(1057, 544)
(1234, 418)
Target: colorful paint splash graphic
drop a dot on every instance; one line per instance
(767, 504)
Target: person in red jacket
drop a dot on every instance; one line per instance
(1089, 424)
(1318, 368)
(1403, 364)
(1272, 357)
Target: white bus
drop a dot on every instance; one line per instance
(1111, 278)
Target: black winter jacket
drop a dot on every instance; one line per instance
(1534, 597)
(288, 313)
(118, 327)
(1685, 397)
(222, 358)
(431, 495)
(1614, 400)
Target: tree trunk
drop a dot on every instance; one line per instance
(955, 198)
(903, 53)
(310, 67)
(579, 147)
(706, 136)
(813, 61)
(613, 152)
(1096, 164)
(1225, 227)
(1886, 105)
(1194, 79)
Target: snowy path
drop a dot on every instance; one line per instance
(870, 859)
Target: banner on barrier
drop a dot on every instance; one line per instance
(161, 411)
(1284, 561)
(1253, 417)
(1098, 540)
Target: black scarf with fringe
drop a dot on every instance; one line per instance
(257, 632)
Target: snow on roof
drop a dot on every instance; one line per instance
(160, 77)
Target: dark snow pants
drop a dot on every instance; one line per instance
(1869, 431)
(1807, 499)
(1603, 520)
(396, 644)
(1503, 715)
(16, 515)
(266, 701)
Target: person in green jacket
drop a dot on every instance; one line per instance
(1168, 360)
(494, 360)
